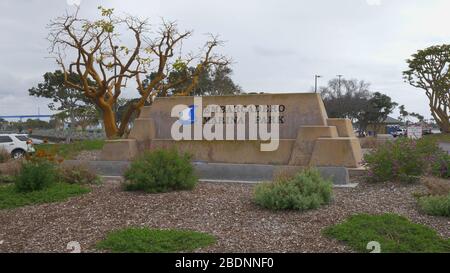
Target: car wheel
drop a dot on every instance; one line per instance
(17, 154)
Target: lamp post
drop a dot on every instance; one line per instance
(339, 82)
(315, 80)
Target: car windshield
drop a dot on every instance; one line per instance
(22, 138)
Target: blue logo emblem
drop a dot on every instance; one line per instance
(187, 116)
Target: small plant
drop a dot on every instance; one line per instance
(44, 155)
(144, 240)
(36, 175)
(161, 171)
(395, 233)
(79, 174)
(435, 205)
(4, 155)
(306, 190)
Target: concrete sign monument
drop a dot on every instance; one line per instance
(414, 132)
(272, 129)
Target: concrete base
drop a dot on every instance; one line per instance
(337, 152)
(260, 173)
(243, 173)
(344, 126)
(121, 149)
(305, 143)
(144, 129)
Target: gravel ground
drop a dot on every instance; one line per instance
(224, 210)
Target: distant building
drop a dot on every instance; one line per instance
(384, 127)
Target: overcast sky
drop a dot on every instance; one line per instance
(277, 45)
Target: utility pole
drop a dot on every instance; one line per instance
(315, 80)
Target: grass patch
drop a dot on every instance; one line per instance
(395, 233)
(10, 198)
(6, 179)
(439, 137)
(145, 240)
(69, 151)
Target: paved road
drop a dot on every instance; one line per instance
(445, 146)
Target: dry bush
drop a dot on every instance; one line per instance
(285, 173)
(78, 174)
(437, 186)
(4, 155)
(12, 167)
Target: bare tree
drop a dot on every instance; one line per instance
(429, 69)
(345, 98)
(93, 49)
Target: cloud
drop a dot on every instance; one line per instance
(74, 2)
(273, 52)
(373, 2)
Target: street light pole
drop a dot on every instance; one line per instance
(315, 79)
(339, 82)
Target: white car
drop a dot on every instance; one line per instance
(399, 133)
(16, 144)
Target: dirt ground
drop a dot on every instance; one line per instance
(224, 210)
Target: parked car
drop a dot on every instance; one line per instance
(427, 131)
(18, 145)
(399, 133)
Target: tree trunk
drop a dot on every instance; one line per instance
(71, 127)
(442, 119)
(444, 126)
(109, 121)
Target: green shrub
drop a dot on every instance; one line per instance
(144, 240)
(306, 190)
(436, 205)
(395, 234)
(405, 160)
(4, 156)
(161, 171)
(440, 165)
(36, 175)
(78, 175)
